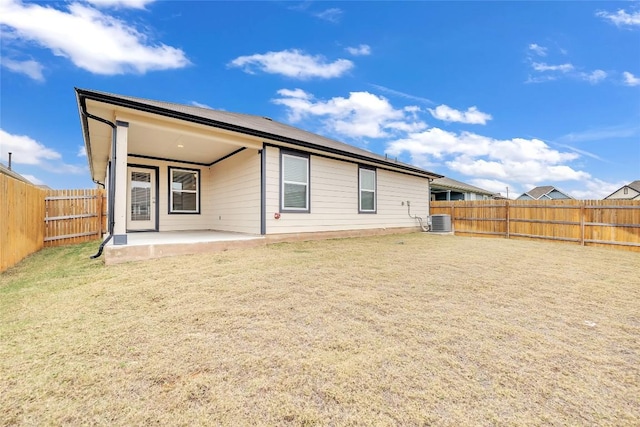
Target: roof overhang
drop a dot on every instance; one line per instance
(158, 132)
(154, 136)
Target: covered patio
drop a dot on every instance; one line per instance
(146, 245)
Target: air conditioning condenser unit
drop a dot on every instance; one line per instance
(441, 223)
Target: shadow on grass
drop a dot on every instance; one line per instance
(51, 264)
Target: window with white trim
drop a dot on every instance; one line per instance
(294, 192)
(184, 193)
(367, 197)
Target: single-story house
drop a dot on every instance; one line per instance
(626, 192)
(449, 189)
(178, 168)
(547, 192)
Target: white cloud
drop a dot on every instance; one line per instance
(295, 93)
(362, 50)
(471, 116)
(602, 133)
(541, 79)
(132, 4)
(621, 17)
(538, 50)
(596, 189)
(489, 163)
(301, 7)
(200, 105)
(93, 41)
(493, 185)
(519, 172)
(594, 77)
(403, 94)
(515, 160)
(30, 68)
(550, 72)
(332, 15)
(541, 66)
(65, 168)
(32, 179)
(28, 151)
(579, 151)
(362, 114)
(630, 79)
(293, 63)
(82, 151)
(25, 150)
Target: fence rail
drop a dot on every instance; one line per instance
(586, 222)
(73, 216)
(32, 218)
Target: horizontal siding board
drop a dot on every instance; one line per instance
(178, 222)
(235, 193)
(334, 198)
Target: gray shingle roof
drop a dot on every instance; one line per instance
(635, 185)
(245, 123)
(447, 183)
(537, 192)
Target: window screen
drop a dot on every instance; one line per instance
(185, 197)
(295, 182)
(367, 200)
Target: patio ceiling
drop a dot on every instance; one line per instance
(159, 137)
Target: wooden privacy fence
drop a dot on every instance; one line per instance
(31, 218)
(612, 223)
(74, 216)
(21, 220)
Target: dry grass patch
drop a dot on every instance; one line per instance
(393, 330)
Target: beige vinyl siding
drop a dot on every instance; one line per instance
(272, 185)
(619, 195)
(334, 198)
(235, 193)
(177, 222)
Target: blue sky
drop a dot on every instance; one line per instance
(496, 94)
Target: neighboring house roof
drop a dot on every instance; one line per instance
(539, 192)
(258, 126)
(5, 170)
(635, 185)
(451, 184)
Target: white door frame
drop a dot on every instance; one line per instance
(143, 216)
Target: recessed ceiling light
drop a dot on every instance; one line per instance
(180, 146)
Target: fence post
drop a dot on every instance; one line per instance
(453, 211)
(582, 212)
(506, 204)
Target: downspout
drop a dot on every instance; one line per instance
(112, 180)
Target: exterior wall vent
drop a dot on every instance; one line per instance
(441, 223)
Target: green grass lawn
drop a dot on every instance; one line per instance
(394, 330)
